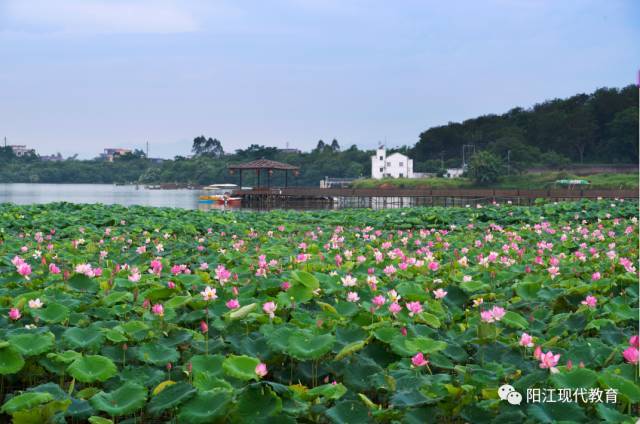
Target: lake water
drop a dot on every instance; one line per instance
(98, 193)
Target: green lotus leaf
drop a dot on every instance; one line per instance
(92, 368)
(53, 313)
(124, 400)
(242, 312)
(205, 382)
(31, 344)
(117, 297)
(25, 401)
(83, 338)
(327, 391)
(171, 397)
(99, 420)
(157, 354)
(66, 357)
(207, 364)
(115, 336)
(575, 379)
(306, 279)
(258, 403)
(241, 367)
(350, 349)
(205, 407)
(305, 346)
(11, 361)
(515, 320)
(425, 345)
(348, 412)
(83, 283)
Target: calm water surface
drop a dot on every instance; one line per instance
(98, 193)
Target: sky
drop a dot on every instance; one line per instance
(77, 76)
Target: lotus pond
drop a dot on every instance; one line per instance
(114, 314)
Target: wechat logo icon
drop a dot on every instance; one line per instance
(508, 393)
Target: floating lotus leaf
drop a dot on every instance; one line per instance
(30, 344)
(11, 361)
(52, 313)
(92, 368)
(66, 357)
(205, 407)
(83, 283)
(117, 297)
(241, 367)
(126, 399)
(25, 401)
(83, 338)
(157, 354)
(205, 382)
(170, 397)
(306, 346)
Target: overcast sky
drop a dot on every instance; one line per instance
(80, 75)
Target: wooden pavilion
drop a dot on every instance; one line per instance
(264, 164)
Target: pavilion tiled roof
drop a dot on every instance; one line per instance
(264, 164)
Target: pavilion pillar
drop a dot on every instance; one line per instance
(240, 178)
(258, 173)
(285, 178)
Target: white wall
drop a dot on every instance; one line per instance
(395, 165)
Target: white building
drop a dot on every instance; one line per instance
(21, 150)
(396, 165)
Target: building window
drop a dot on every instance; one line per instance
(401, 163)
(381, 169)
(401, 175)
(381, 158)
(388, 163)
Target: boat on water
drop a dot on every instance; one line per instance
(220, 194)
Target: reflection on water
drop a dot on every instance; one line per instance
(98, 193)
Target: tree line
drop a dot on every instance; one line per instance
(601, 127)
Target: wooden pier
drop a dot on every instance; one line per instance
(328, 198)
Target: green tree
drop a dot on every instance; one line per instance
(485, 167)
(203, 146)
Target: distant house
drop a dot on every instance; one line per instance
(52, 158)
(290, 151)
(396, 165)
(111, 152)
(21, 150)
(454, 173)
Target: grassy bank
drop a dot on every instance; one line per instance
(524, 181)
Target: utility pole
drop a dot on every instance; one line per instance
(147, 149)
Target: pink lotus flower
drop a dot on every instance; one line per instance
(352, 297)
(35, 304)
(135, 275)
(158, 309)
(261, 370)
(634, 341)
(526, 340)
(349, 281)
(269, 308)
(439, 293)
(595, 276)
(537, 352)
(394, 308)
(14, 314)
(495, 314)
(549, 360)
(54, 269)
(209, 294)
(233, 304)
(24, 269)
(378, 301)
(171, 284)
(414, 308)
(285, 285)
(433, 266)
(222, 274)
(631, 355)
(418, 360)
(590, 301)
(204, 328)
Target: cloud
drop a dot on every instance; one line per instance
(100, 16)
